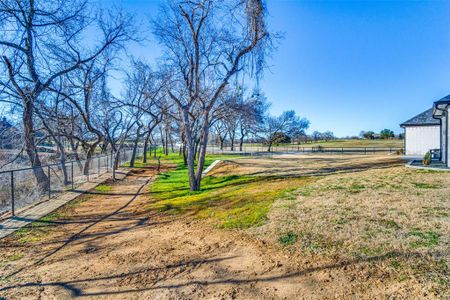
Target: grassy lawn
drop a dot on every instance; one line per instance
(372, 210)
(232, 201)
(390, 219)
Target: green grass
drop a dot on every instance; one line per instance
(422, 185)
(230, 201)
(36, 230)
(356, 188)
(15, 257)
(288, 238)
(423, 239)
(103, 188)
(367, 251)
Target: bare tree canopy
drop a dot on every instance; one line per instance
(43, 41)
(205, 44)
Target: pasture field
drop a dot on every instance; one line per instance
(347, 143)
(395, 143)
(319, 226)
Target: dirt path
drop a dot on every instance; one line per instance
(112, 248)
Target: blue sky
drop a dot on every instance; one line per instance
(349, 66)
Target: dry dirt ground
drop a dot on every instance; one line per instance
(106, 245)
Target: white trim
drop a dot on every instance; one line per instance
(409, 165)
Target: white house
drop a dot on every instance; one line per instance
(422, 133)
(441, 110)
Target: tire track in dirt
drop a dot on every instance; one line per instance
(126, 252)
(142, 180)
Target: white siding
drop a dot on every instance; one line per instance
(447, 131)
(420, 139)
(444, 139)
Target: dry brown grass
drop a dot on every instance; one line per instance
(305, 164)
(372, 210)
(352, 227)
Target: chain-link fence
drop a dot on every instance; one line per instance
(21, 188)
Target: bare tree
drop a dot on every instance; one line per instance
(144, 99)
(206, 43)
(220, 132)
(86, 89)
(34, 59)
(251, 115)
(285, 125)
(329, 135)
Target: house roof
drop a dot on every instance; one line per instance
(444, 100)
(422, 119)
(440, 106)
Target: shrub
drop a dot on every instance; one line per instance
(427, 159)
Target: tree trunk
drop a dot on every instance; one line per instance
(74, 147)
(104, 147)
(171, 143)
(115, 163)
(241, 143)
(190, 147)
(184, 154)
(30, 146)
(232, 135)
(166, 139)
(147, 138)
(162, 139)
(62, 159)
(197, 143)
(203, 146)
(89, 155)
(136, 140)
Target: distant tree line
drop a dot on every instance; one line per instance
(385, 134)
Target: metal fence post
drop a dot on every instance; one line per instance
(13, 210)
(113, 166)
(49, 183)
(98, 165)
(72, 173)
